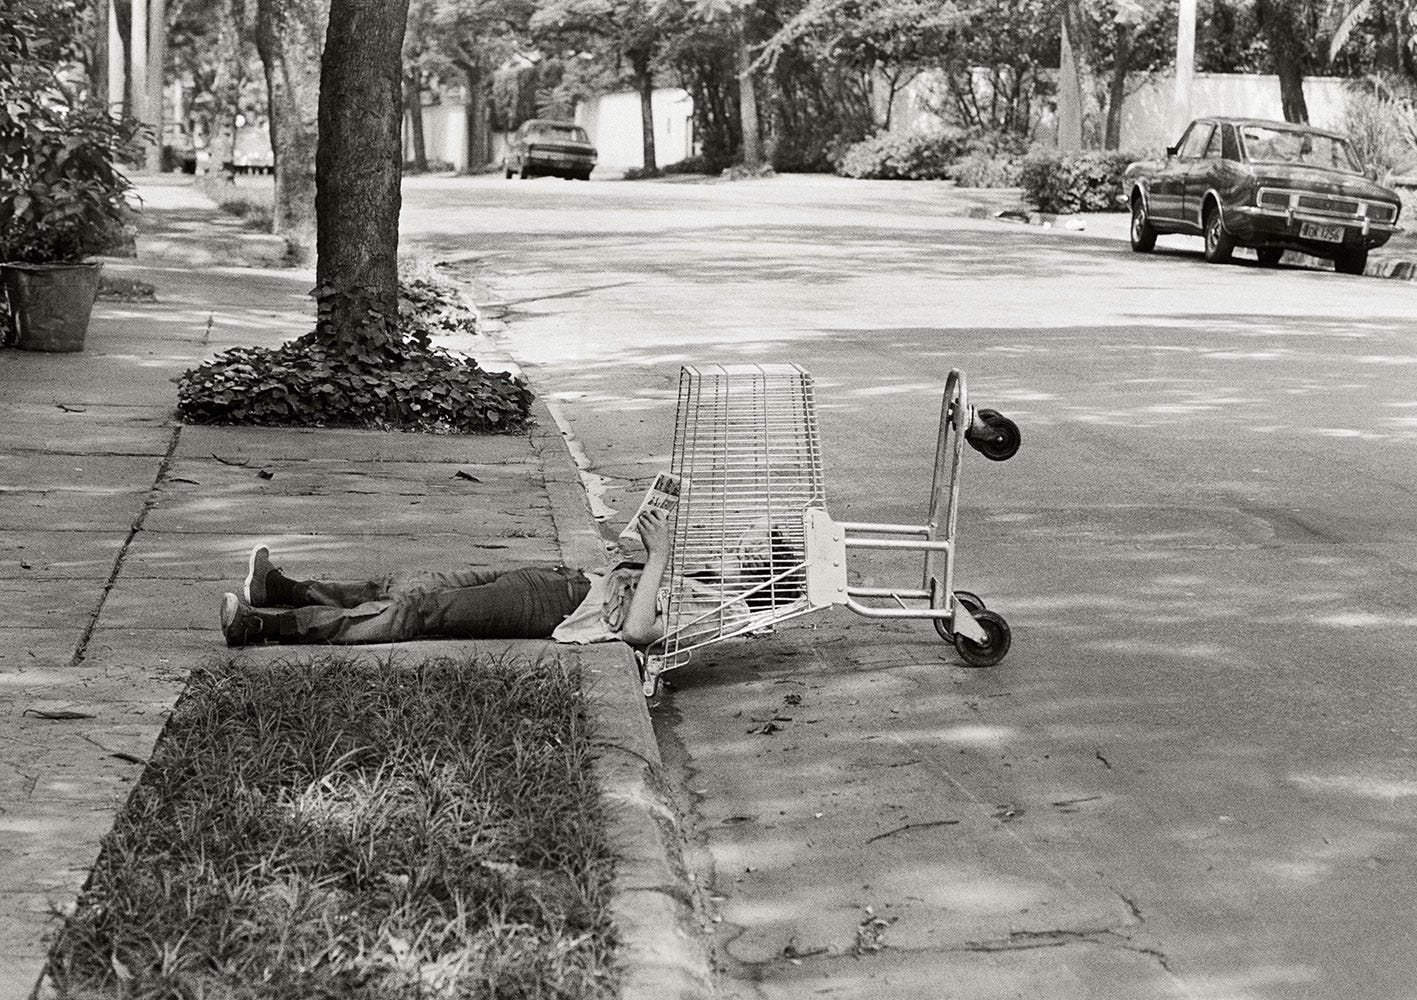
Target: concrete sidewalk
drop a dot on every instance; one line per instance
(121, 528)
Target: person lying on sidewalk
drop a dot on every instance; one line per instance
(532, 602)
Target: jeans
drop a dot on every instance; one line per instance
(525, 603)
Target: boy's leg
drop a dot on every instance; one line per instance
(268, 587)
(526, 603)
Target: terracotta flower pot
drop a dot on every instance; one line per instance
(50, 304)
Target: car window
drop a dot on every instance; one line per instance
(1272, 145)
(1229, 145)
(1212, 149)
(555, 132)
(1196, 139)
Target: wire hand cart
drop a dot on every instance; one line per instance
(753, 542)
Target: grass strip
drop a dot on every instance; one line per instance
(335, 826)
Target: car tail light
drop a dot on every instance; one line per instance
(1382, 213)
(1274, 199)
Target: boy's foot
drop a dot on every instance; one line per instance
(266, 586)
(239, 623)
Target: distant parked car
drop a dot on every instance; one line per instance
(542, 146)
(1268, 185)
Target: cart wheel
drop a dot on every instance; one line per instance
(970, 600)
(1000, 439)
(993, 649)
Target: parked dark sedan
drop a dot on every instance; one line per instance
(1268, 185)
(541, 146)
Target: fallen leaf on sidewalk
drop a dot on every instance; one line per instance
(766, 729)
(72, 409)
(179, 479)
(460, 474)
(231, 461)
(25, 565)
(60, 715)
(127, 758)
(264, 474)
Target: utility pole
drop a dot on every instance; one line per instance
(1185, 67)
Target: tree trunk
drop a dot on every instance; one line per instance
(1117, 88)
(748, 100)
(413, 100)
(644, 83)
(475, 115)
(358, 170)
(1279, 20)
(289, 37)
(98, 70)
(226, 89)
(1084, 63)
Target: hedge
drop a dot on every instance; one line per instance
(1076, 182)
(904, 156)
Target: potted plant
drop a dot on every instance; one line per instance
(62, 198)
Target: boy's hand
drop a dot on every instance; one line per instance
(653, 526)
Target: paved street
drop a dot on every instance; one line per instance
(1193, 775)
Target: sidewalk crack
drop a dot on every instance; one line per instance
(149, 502)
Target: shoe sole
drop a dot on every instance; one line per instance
(230, 606)
(256, 553)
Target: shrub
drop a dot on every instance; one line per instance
(415, 386)
(62, 199)
(980, 170)
(1381, 120)
(1076, 182)
(904, 156)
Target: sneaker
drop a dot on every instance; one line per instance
(258, 589)
(241, 625)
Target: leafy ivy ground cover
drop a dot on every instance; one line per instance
(413, 385)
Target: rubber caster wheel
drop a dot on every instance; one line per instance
(993, 649)
(998, 440)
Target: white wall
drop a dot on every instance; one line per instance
(613, 122)
(1147, 108)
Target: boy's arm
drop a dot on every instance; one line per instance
(643, 624)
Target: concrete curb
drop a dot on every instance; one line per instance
(664, 952)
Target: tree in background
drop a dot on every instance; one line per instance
(1289, 28)
(212, 44)
(290, 36)
(632, 33)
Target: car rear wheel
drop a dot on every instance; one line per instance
(507, 169)
(1269, 256)
(1219, 244)
(522, 171)
(1143, 233)
(1351, 261)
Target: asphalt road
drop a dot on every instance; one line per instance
(1193, 775)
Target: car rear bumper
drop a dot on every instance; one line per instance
(559, 161)
(1253, 226)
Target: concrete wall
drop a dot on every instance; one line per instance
(1147, 109)
(612, 120)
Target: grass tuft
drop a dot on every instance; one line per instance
(336, 827)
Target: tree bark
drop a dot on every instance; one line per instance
(1084, 63)
(358, 170)
(289, 38)
(226, 88)
(748, 100)
(475, 115)
(98, 71)
(1279, 20)
(157, 77)
(413, 101)
(1117, 87)
(644, 83)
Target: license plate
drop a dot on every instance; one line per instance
(1324, 234)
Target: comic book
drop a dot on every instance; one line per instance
(662, 493)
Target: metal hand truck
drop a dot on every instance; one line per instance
(753, 542)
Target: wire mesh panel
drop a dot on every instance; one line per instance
(747, 447)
